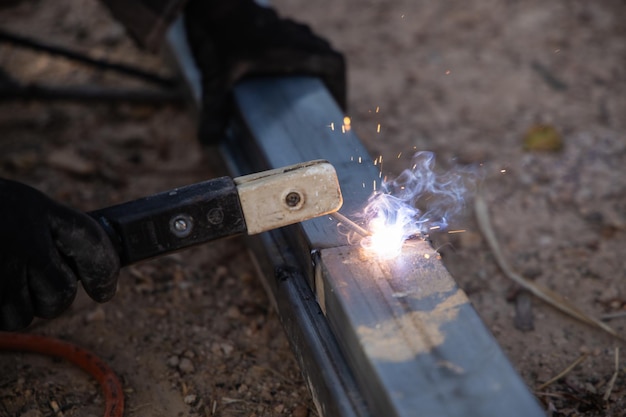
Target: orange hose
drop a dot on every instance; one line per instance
(110, 383)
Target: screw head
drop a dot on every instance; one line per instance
(293, 199)
(181, 225)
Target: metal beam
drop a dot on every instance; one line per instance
(392, 338)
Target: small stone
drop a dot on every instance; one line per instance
(590, 388)
(221, 271)
(186, 366)
(190, 399)
(189, 354)
(96, 314)
(173, 361)
(300, 411)
(70, 161)
(279, 408)
(233, 312)
(227, 348)
(545, 240)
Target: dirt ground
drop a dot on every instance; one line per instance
(193, 333)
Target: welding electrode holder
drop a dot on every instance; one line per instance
(173, 220)
(218, 208)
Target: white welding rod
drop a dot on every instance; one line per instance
(210, 210)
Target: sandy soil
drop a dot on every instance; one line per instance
(193, 333)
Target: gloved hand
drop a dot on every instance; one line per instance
(235, 39)
(45, 248)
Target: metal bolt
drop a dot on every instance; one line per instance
(181, 225)
(293, 199)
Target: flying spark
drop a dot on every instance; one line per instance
(346, 124)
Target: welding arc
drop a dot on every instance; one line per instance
(350, 224)
(98, 369)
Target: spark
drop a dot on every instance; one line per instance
(377, 109)
(457, 231)
(378, 128)
(332, 126)
(503, 171)
(427, 256)
(448, 72)
(374, 185)
(399, 155)
(360, 160)
(346, 124)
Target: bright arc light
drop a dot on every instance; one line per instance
(392, 215)
(386, 240)
(391, 222)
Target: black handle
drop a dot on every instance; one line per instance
(173, 220)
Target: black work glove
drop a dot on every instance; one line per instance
(235, 39)
(45, 248)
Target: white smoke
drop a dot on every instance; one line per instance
(413, 204)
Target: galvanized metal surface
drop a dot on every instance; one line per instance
(415, 343)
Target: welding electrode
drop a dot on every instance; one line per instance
(221, 207)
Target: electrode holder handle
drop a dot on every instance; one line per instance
(173, 220)
(221, 207)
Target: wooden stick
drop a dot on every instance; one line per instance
(564, 372)
(545, 294)
(609, 388)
